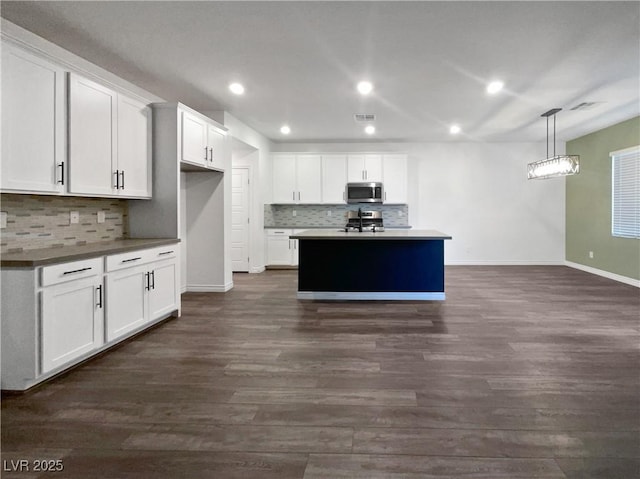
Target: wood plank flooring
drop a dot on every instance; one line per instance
(523, 372)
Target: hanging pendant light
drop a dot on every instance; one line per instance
(556, 165)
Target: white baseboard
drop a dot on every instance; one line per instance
(503, 263)
(209, 288)
(606, 274)
(257, 269)
(369, 296)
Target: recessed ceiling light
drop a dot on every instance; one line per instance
(285, 130)
(494, 87)
(236, 88)
(370, 129)
(455, 129)
(365, 87)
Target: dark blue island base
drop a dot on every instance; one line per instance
(370, 269)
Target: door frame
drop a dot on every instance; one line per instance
(249, 169)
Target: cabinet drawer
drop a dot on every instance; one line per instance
(61, 273)
(279, 232)
(133, 258)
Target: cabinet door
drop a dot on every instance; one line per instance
(309, 179)
(395, 178)
(33, 133)
(163, 298)
(284, 179)
(279, 249)
(72, 321)
(334, 178)
(92, 138)
(134, 148)
(355, 168)
(126, 301)
(216, 145)
(294, 249)
(194, 139)
(373, 168)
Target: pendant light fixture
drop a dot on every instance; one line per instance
(556, 165)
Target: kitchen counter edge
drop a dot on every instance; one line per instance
(62, 254)
(335, 234)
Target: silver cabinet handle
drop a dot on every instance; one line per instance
(78, 270)
(147, 285)
(211, 152)
(165, 252)
(117, 173)
(153, 279)
(206, 151)
(122, 185)
(293, 193)
(298, 196)
(385, 196)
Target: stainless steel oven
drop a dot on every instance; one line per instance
(364, 192)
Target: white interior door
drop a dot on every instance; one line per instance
(240, 219)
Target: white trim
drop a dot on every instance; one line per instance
(368, 296)
(625, 151)
(503, 263)
(606, 274)
(209, 288)
(257, 269)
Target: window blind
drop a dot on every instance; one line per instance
(625, 190)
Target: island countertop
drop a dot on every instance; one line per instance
(62, 254)
(340, 234)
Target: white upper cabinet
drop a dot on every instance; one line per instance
(334, 178)
(33, 123)
(364, 168)
(134, 147)
(309, 178)
(109, 142)
(194, 139)
(394, 168)
(284, 179)
(215, 145)
(297, 179)
(92, 138)
(202, 142)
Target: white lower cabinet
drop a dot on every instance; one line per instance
(281, 250)
(56, 316)
(126, 304)
(72, 312)
(141, 293)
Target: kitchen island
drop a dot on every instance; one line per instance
(385, 265)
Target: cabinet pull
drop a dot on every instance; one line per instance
(211, 152)
(78, 270)
(293, 193)
(99, 305)
(298, 196)
(153, 279)
(61, 180)
(131, 259)
(206, 153)
(385, 196)
(146, 280)
(165, 252)
(117, 173)
(122, 185)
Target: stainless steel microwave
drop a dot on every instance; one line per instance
(364, 192)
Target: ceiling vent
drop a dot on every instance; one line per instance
(585, 105)
(364, 117)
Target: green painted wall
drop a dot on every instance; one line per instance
(588, 203)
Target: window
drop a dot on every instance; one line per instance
(625, 192)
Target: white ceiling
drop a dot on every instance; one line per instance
(429, 61)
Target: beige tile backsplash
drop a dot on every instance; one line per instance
(35, 221)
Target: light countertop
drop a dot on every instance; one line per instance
(62, 254)
(395, 234)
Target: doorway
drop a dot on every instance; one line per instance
(240, 214)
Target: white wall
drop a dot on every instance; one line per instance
(479, 194)
(259, 163)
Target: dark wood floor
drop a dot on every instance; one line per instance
(524, 372)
